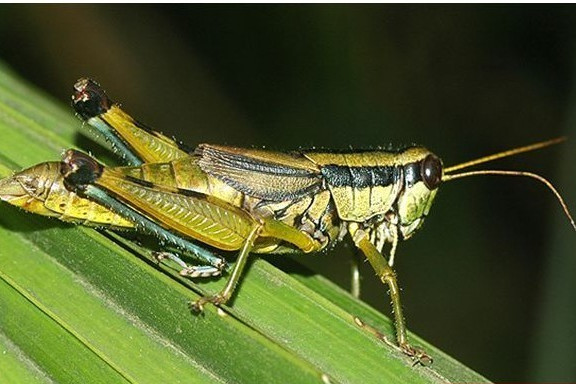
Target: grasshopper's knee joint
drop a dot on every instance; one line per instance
(89, 99)
(357, 236)
(388, 276)
(79, 170)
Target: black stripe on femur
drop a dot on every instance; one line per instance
(361, 177)
(141, 182)
(150, 185)
(190, 193)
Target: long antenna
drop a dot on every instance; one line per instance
(499, 155)
(515, 173)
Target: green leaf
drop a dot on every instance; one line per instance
(78, 305)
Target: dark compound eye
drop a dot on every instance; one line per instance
(431, 171)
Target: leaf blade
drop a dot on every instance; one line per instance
(276, 330)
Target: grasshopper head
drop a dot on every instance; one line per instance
(422, 177)
(29, 188)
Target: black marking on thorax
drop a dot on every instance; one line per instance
(412, 173)
(360, 177)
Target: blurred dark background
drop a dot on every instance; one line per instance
(491, 278)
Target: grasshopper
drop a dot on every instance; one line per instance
(249, 200)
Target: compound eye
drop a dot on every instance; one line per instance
(431, 171)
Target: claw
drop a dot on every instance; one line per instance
(198, 305)
(419, 356)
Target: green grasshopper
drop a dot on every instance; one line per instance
(253, 201)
